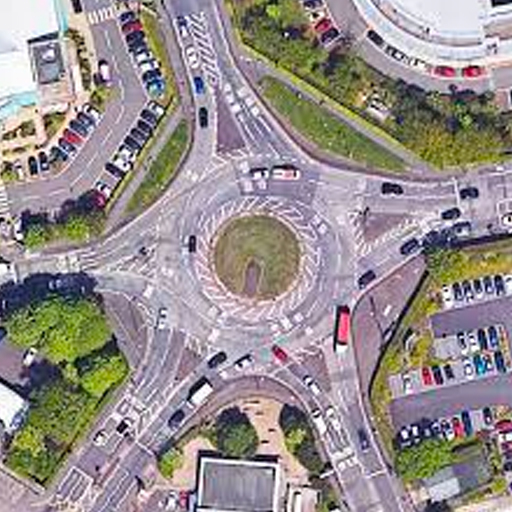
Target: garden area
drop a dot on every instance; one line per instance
(81, 365)
(456, 129)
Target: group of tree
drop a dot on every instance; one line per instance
(452, 129)
(74, 337)
(234, 434)
(299, 438)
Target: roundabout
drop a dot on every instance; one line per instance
(256, 256)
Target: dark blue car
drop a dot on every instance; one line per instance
(479, 364)
(500, 361)
(199, 85)
(466, 421)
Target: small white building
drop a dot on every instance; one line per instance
(13, 409)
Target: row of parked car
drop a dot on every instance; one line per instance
(73, 136)
(484, 339)
(135, 38)
(468, 291)
(321, 21)
(124, 158)
(458, 426)
(470, 71)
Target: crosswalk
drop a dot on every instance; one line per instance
(4, 200)
(101, 15)
(198, 25)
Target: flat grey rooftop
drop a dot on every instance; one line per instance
(233, 485)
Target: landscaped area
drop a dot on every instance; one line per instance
(257, 256)
(78, 365)
(322, 128)
(446, 130)
(161, 171)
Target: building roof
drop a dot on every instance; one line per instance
(12, 408)
(22, 21)
(443, 485)
(237, 485)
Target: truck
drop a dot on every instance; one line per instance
(199, 392)
(341, 328)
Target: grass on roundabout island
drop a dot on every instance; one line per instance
(264, 243)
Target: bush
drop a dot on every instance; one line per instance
(235, 435)
(101, 372)
(424, 460)
(169, 461)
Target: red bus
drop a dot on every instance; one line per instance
(341, 328)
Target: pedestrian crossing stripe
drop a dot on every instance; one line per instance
(100, 15)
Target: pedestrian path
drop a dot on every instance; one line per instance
(101, 15)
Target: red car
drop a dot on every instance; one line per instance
(323, 25)
(473, 71)
(132, 26)
(279, 354)
(503, 426)
(183, 499)
(458, 428)
(445, 71)
(426, 375)
(72, 137)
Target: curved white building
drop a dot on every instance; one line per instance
(454, 33)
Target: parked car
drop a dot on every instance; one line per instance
(33, 166)
(466, 422)
(409, 246)
(488, 416)
(458, 295)
(138, 135)
(468, 291)
(149, 117)
(388, 188)
(499, 285)
(279, 354)
(407, 383)
(448, 371)
(29, 357)
(162, 321)
(479, 364)
(132, 26)
(469, 193)
(57, 154)
(176, 419)
(79, 128)
(426, 376)
(126, 17)
(438, 375)
(488, 285)
(469, 371)
(72, 137)
(451, 214)
(473, 71)
(375, 38)
(66, 146)
(478, 288)
(156, 109)
(103, 189)
(182, 26)
(447, 430)
(285, 172)
(329, 36)
(144, 127)
(114, 170)
(499, 361)
(323, 25)
(487, 359)
(243, 362)
(482, 339)
(447, 296)
(311, 384)
(474, 345)
(192, 57)
(133, 144)
(458, 428)
(259, 173)
(461, 341)
(218, 359)
(86, 120)
(461, 229)
(445, 71)
(44, 165)
(332, 416)
(203, 117)
(365, 279)
(92, 112)
(192, 243)
(492, 334)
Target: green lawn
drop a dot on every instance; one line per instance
(325, 130)
(267, 244)
(157, 45)
(161, 172)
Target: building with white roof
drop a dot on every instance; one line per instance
(23, 25)
(12, 409)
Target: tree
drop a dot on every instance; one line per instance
(169, 461)
(64, 329)
(423, 460)
(236, 436)
(102, 372)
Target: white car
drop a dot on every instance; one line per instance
(469, 371)
(192, 57)
(92, 112)
(244, 362)
(143, 57)
(507, 278)
(29, 357)
(285, 173)
(149, 65)
(474, 346)
(122, 164)
(319, 422)
(100, 438)
(156, 108)
(163, 315)
(312, 385)
(330, 412)
(506, 220)
(126, 154)
(103, 188)
(447, 295)
(259, 173)
(407, 383)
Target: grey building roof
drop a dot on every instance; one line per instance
(237, 485)
(47, 59)
(443, 485)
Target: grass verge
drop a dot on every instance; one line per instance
(161, 171)
(324, 130)
(264, 242)
(156, 43)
